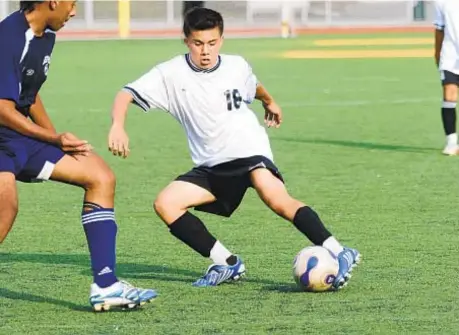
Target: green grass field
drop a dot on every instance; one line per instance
(361, 143)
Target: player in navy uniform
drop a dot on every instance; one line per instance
(31, 149)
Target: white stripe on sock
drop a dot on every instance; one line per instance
(449, 104)
(107, 217)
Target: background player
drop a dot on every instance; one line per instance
(35, 151)
(447, 60)
(208, 94)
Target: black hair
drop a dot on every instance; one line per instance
(28, 6)
(201, 18)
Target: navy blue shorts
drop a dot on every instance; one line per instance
(30, 160)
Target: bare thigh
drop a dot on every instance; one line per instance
(450, 92)
(274, 193)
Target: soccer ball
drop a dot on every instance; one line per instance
(315, 269)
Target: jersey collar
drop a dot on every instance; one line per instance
(197, 69)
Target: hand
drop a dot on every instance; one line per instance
(273, 114)
(118, 141)
(71, 144)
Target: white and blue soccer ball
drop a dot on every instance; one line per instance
(315, 269)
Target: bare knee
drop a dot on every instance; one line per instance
(8, 213)
(8, 203)
(167, 209)
(102, 178)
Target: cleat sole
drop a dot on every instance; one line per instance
(101, 307)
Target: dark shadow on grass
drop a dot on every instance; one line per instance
(4, 293)
(124, 270)
(358, 145)
(292, 288)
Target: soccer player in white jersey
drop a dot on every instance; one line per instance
(209, 95)
(447, 60)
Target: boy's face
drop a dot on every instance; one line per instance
(204, 46)
(61, 12)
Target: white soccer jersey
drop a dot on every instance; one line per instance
(211, 105)
(447, 19)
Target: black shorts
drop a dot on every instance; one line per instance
(448, 77)
(228, 182)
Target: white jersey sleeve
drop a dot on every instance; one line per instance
(250, 84)
(149, 91)
(439, 21)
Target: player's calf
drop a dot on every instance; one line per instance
(99, 225)
(274, 194)
(8, 203)
(97, 216)
(172, 205)
(448, 115)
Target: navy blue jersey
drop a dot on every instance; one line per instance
(24, 60)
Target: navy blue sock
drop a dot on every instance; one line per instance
(100, 229)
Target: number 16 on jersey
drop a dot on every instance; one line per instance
(233, 98)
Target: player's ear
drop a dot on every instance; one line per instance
(53, 5)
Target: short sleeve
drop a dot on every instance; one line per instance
(439, 21)
(10, 82)
(251, 83)
(149, 91)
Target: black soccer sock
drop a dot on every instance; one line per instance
(308, 222)
(191, 230)
(448, 117)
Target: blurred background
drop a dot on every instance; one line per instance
(130, 18)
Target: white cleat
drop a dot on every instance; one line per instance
(451, 150)
(120, 295)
